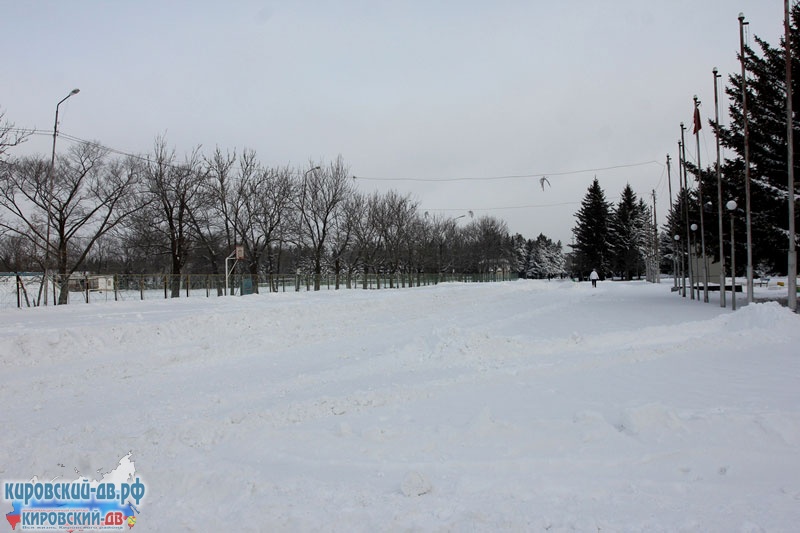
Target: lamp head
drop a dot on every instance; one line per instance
(694, 227)
(74, 91)
(731, 205)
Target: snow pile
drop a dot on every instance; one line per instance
(522, 406)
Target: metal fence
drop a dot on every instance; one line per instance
(23, 290)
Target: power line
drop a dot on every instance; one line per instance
(146, 159)
(534, 206)
(505, 207)
(514, 176)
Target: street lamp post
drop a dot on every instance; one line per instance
(50, 187)
(681, 272)
(675, 265)
(693, 227)
(731, 205)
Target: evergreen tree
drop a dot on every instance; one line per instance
(556, 263)
(627, 235)
(519, 255)
(766, 103)
(545, 258)
(591, 233)
(535, 264)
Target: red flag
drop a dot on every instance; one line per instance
(697, 122)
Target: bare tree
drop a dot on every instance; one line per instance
(16, 253)
(343, 234)
(274, 199)
(10, 136)
(244, 210)
(90, 196)
(322, 192)
(175, 191)
(211, 219)
(441, 232)
(366, 237)
(393, 218)
(421, 249)
(488, 245)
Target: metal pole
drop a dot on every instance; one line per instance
(694, 247)
(657, 268)
(700, 200)
(733, 268)
(674, 268)
(681, 275)
(669, 182)
(50, 187)
(731, 205)
(742, 24)
(682, 215)
(792, 259)
(686, 212)
(722, 302)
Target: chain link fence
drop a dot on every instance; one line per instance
(23, 289)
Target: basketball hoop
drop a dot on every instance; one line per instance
(237, 255)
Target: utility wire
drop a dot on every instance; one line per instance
(78, 140)
(514, 176)
(610, 199)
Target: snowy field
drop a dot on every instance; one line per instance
(517, 406)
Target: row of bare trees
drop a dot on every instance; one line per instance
(175, 215)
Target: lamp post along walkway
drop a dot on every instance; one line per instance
(50, 188)
(731, 205)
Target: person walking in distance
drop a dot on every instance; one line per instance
(594, 277)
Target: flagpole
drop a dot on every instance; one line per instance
(682, 216)
(742, 59)
(697, 125)
(792, 260)
(722, 302)
(686, 212)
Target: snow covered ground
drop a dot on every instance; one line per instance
(517, 406)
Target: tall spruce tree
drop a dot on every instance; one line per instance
(766, 103)
(627, 236)
(591, 245)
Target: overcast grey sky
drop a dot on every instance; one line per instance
(422, 90)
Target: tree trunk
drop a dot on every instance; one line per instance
(253, 271)
(63, 293)
(175, 278)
